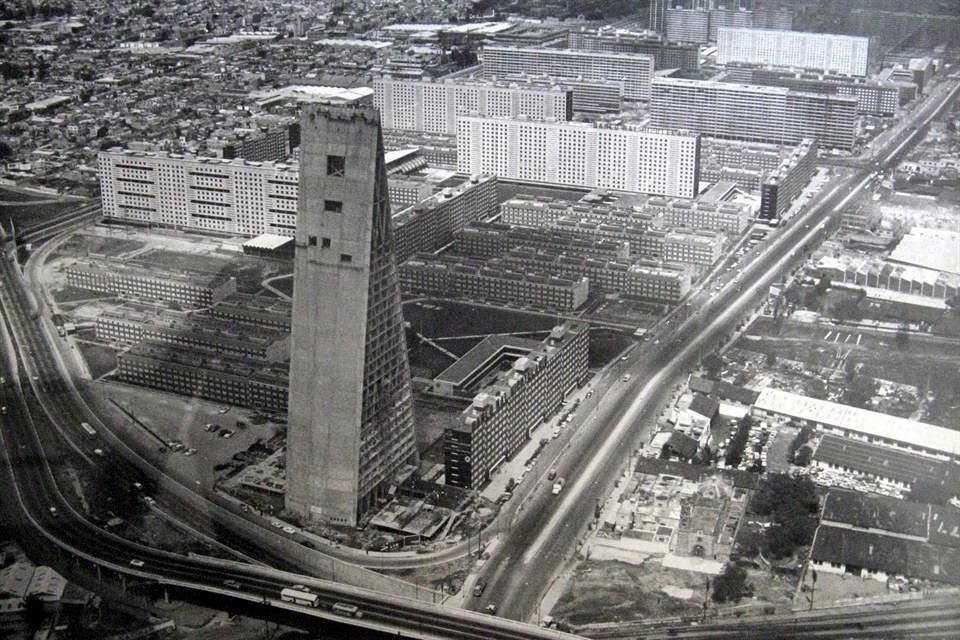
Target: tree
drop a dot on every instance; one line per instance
(860, 391)
(731, 585)
(5, 150)
(34, 613)
(823, 284)
(792, 504)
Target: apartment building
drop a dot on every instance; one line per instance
(128, 281)
(782, 187)
(491, 239)
(643, 279)
(666, 55)
(486, 281)
(434, 221)
(433, 107)
(634, 70)
(581, 154)
(197, 331)
(750, 112)
(827, 52)
(726, 217)
(190, 372)
(500, 418)
(700, 248)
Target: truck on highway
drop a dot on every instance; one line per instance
(349, 610)
(558, 485)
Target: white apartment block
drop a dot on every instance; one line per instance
(433, 107)
(229, 196)
(633, 70)
(581, 154)
(826, 52)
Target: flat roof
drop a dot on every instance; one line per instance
(936, 249)
(269, 241)
(870, 423)
(479, 355)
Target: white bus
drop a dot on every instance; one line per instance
(344, 609)
(301, 595)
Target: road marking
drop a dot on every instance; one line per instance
(858, 338)
(827, 337)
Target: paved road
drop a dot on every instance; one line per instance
(547, 533)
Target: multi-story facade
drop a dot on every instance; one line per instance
(433, 107)
(688, 25)
(439, 150)
(783, 186)
(749, 112)
(644, 280)
(499, 420)
(350, 434)
(255, 198)
(700, 248)
(873, 98)
(633, 70)
(189, 371)
(486, 281)
(726, 217)
(271, 145)
(490, 240)
(666, 55)
(211, 334)
(433, 222)
(831, 53)
(189, 192)
(131, 282)
(580, 154)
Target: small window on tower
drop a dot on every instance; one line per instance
(312, 241)
(325, 243)
(333, 206)
(346, 257)
(335, 166)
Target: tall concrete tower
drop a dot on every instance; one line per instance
(350, 419)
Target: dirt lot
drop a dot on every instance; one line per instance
(609, 591)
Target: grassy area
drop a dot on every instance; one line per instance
(100, 359)
(74, 294)
(83, 244)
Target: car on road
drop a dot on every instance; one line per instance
(479, 586)
(189, 452)
(226, 433)
(277, 524)
(3, 410)
(210, 427)
(232, 584)
(289, 529)
(136, 562)
(99, 452)
(137, 486)
(626, 377)
(491, 608)
(53, 511)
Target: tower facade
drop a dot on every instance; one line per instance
(350, 422)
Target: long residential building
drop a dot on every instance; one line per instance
(826, 52)
(700, 248)
(876, 98)
(434, 221)
(189, 371)
(750, 112)
(581, 154)
(727, 217)
(251, 198)
(433, 107)
(633, 70)
(501, 417)
(131, 282)
(221, 336)
(666, 55)
(492, 239)
(487, 281)
(783, 186)
(644, 280)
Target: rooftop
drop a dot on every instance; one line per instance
(869, 423)
(490, 348)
